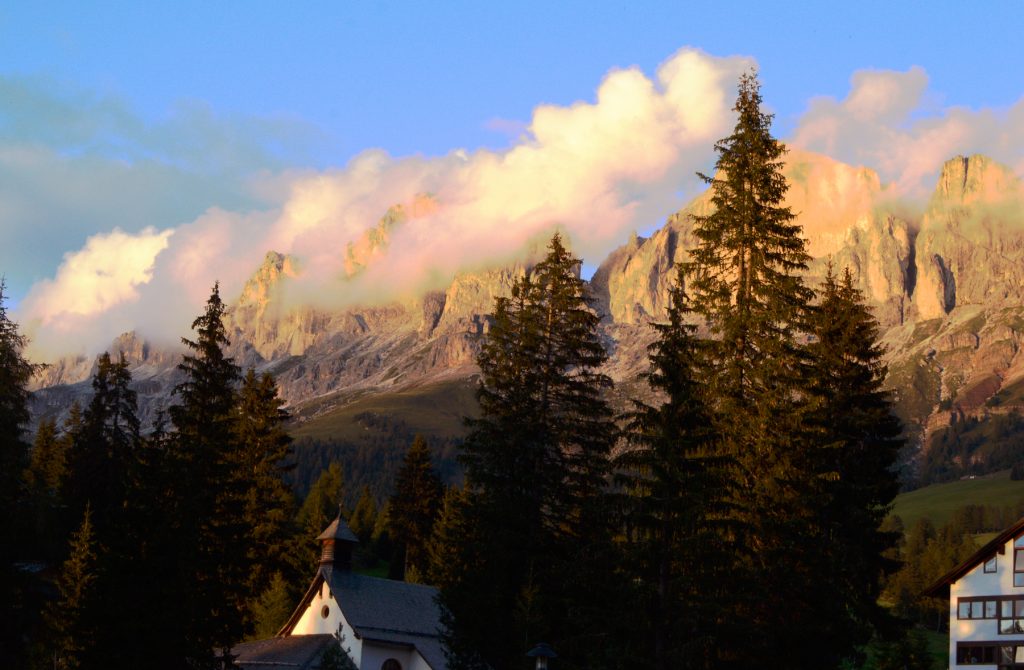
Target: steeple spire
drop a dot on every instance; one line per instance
(336, 544)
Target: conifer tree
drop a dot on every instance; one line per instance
(322, 504)
(363, 522)
(15, 372)
(273, 608)
(74, 620)
(263, 449)
(745, 281)
(211, 503)
(46, 466)
(857, 440)
(413, 508)
(677, 492)
(45, 480)
(536, 468)
(105, 445)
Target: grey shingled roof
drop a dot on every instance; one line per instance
(430, 648)
(373, 605)
(296, 652)
(338, 530)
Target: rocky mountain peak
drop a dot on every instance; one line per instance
(968, 179)
(258, 291)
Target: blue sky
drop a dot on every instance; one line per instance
(154, 116)
(426, 76)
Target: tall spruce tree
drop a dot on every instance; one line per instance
(857, 440)
(413, 509)
(211, 527)
(45, 480)
(537, 462)
(745, 281)
(74, 620)
(677, 495)
(15, 372)
(263, 448)
(103, 452)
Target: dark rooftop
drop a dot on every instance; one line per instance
(338, 530)
(296, 652)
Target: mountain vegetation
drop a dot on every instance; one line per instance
(729, 509)
(750, 495)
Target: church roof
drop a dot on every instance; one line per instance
(338, 530)
(384, 605)
(298, 652)
(383, 611)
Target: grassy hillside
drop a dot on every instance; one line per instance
(435, 409)
(369, 434)
(939, 501)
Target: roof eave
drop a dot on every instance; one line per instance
(940, 588)
(311, 592)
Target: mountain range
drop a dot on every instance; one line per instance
(946, 284)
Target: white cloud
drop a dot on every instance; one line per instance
(105, 273)
(596, 170)
(74, 163)
(886, 123)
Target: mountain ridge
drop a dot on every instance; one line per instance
(947, 288)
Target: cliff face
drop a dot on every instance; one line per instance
(837, 207)
(947, 286)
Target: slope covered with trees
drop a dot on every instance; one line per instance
(749, 495)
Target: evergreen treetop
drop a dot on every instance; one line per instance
(15, 373)
(414, 507)
(745, 266)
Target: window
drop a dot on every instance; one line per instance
(325, 612)
(1018, 566)
(1008, 610)
(990, 565)
(982, 608)
(990, 653)
(391, 664)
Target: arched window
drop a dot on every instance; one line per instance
(391, 664)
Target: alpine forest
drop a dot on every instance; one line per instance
(727, 511)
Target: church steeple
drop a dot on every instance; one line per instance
(336, 544)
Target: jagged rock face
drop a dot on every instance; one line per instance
(835, 204)
(971, 244)
(949, 298)
(946, 287)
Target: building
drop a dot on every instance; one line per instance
(380, 623)
(986, 603)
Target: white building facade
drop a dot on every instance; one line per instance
(986, 604)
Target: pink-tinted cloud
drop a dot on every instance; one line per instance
(885, 123)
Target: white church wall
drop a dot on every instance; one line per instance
(375, 655)
(313, 622)
(417, 662)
